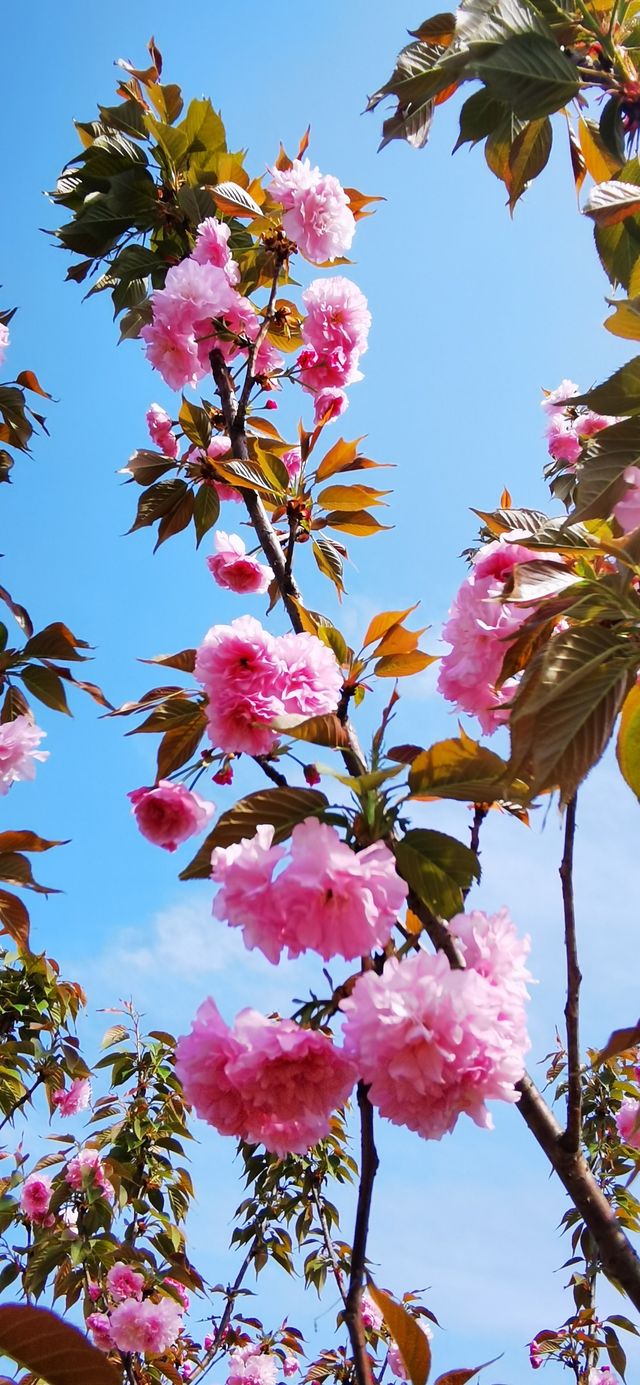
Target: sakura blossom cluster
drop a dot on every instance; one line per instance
(71, 1100)
(168, 813)
(335, 334)
(19, 740)
(628, 1121)
(199, 310)
(627, 508)
(248, 1365)
(434, 1042)
(263, 1080)
(161, 430)
(232, 569)
(479, 628)
(252, 678)
(570, 426)
(4, 341)
(135, 1316)
(316, 211)
(327, 899)
(84, 1173)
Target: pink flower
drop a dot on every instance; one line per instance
(169, 813)
(147, 1326)
(174, 354)
(491, 945)
(252, 677)
(86, 1171)
(570, 426)
(628, 1122)
(246, 898)
(212, 247)
(209, 1342)
(290, 1366)
(4, 340)
(99, 1325)
(265, 1080)
(271, 404)
(433, 1042)
(337, 316)
(312, 775)
(562, 440)
(554, 401)
(124, 1282)
(224, 776)
(326, 372)
(370, 1314)
(94, 1291)
(602, 1375)
(268, 362)
(160, 430)
(317, 215)
(250, 1366)
(232, 569)
(182, 335)
(18, 741)
(479, 628)
(293, 461)
(181, 1292)
(329, 404)
(76, 1099)
(627, 510)
(186, 1371)
(35, 1196)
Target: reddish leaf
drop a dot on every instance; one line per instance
(185, 660)
(380, 625)
(29, 381)
(26, 841)
(14, 920)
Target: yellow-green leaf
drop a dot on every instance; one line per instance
(628, 746)
(601, 164)
(403, 665)
(459, 768)
(349, 497)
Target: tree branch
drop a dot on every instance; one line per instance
(368, 1169)
(573, 1132)
(273, 774)
(330, 1248)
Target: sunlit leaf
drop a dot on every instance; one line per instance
(283, 808)
(406, 1333)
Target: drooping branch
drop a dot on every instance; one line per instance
(573, 1132)
(368, 1170)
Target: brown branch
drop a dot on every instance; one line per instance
(231, 1295)
(249, 378)
(273, 774)
(368, 1169)
(17, 1105)
(573, 1132)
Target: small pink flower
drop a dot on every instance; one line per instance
(370, 1314)
(35, 1196)
(337, 316)
(170, 813)
(250, 1366)
(209, 1342)
(536, 1358)
(18, 753)
(271, 404)
(124, 1282)
(311, 775)
(86, 1172)
(395, 1358)
(555, 400)
(562, 440)
(76, 1099)
(265, 1080)
(186, 1371)
(4, 340)
(212, 247)
(627, 510)
(224, 776)
(602, 1375)
(94, 1291)
(181, 1292)
(160, 430)
(290, 1366)
(316, 211)
(293, 461)
(233, 570)
(147, 1326)
(628, 1122)
(328, 405)
(99, 1325)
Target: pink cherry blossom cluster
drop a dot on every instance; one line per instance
(627, 509)
(86, 1173)
(134, 1315)
(252, 678)
(168, 813)
(161, 430)
(335, 334)
(197, 294)
(4, 341)
(19, 740)
(264, 1080)
(35, 1197)
(628, 1121)
(249, 1365)
(71, 1100)
(316, 211)
(479, 627)
(569, 427)
(233, 569)
(327, 899)
(434, 1042)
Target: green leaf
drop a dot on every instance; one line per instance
(233, 200)
(601, 480)
(530, 75)
(528, 156)
(566, 705)
(479, 116)
(206, 509)
(620, 394)
(433, 885)
(406, 1333)
(283, 808)
(41, 1342)
(461, 769)
(452, 856)
(195, 423)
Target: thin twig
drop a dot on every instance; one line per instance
(273, 774)
(330, 1248)
(231, 1295)
(17, 1106)
(249, 378)
(573, 1132)
(368, 1169)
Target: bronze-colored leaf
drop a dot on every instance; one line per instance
(14, 920)
(384, 622)
(179, 745)
(620, 1041)
(403, 665)
(406, 1333)
(40, 1341)
(283, 808)
(325, 730)
(185, 660)
(461, 769)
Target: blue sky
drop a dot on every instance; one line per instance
(472, 315)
